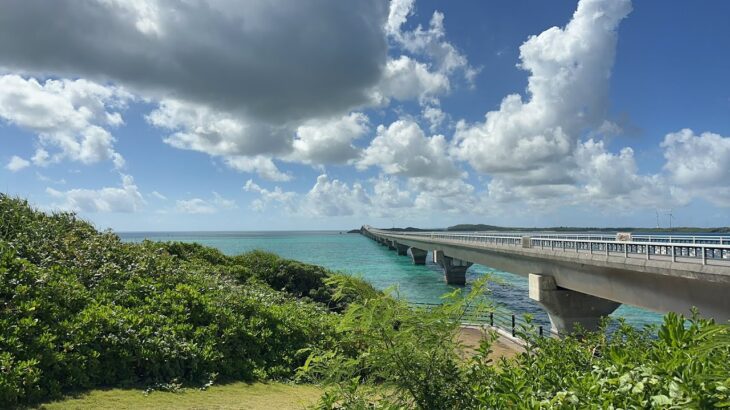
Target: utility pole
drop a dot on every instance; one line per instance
(657, 218)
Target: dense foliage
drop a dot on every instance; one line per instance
(81, 309)
(392, 357)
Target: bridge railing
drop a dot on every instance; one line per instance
(686, 248)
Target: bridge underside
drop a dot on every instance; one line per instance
(579, 289)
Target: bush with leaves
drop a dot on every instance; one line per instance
(82, 309)
(393, 356)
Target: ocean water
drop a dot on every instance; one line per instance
(383, 268)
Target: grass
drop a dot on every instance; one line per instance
(231, 396)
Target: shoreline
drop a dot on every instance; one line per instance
(504, 346)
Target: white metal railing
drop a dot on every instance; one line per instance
(699, 249)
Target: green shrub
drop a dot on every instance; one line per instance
(81, 309)
(390, 356)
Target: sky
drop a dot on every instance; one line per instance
(167, 115)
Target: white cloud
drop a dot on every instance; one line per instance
(699, 164)
(332, 197)
(158, 196)
(277, 197)
(260, 164)
(398, 15)
(327, 198)
(403, 149)
(567, 87)
(601, 178)
(434, 116)
(429, 42)
(44, 178)
(205, 129)
(447, 196)
(329, 141)
(408, 79)
(203, 206)
(194, 206)
(608, 175)
(273, 76)
(384, 197)
(258, 58)
(388, 194)
(16, 164)
(126, 198)
(240, 144)
(69, 117)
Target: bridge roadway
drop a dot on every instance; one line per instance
(579, 278)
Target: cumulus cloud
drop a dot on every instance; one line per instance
(429, 42)
(204, 206)
(240, 144)
(447, 196)
(601, 178)
(260, 58)
(699, 164)
(158, 196)
(16, 164)
(125, 198)
(403, 149)
(278, 197)
(406, 79)
(329, 141)
(257, 77)
(385, 196)
(568, 83)
(426, 63)
(388, 194)
(435, 117)
(202, 128)
(70, 117)
(327, 198)
(607, 174)
(332, 197)
(260, 164)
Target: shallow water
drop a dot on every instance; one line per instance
(355, 254)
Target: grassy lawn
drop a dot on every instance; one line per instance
(231, 396)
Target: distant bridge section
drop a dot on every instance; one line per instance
(579, 278)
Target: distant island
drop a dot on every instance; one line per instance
(484, 227)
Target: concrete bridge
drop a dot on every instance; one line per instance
(580, 278)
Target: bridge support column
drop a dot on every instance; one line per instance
(418, 256)
(566, 308)
(391, 244)
(454, 269)
(383, 242)
(401, 249)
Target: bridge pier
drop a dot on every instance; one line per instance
(566, 308)
(418, 256)
(391, 245)
(401, 249)
(454, 269)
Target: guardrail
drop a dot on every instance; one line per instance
(497, 318)
(692, 249)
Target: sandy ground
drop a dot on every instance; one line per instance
(502, 347)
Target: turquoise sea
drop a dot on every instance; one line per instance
(355, 254)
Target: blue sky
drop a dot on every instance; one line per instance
(213, 115)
